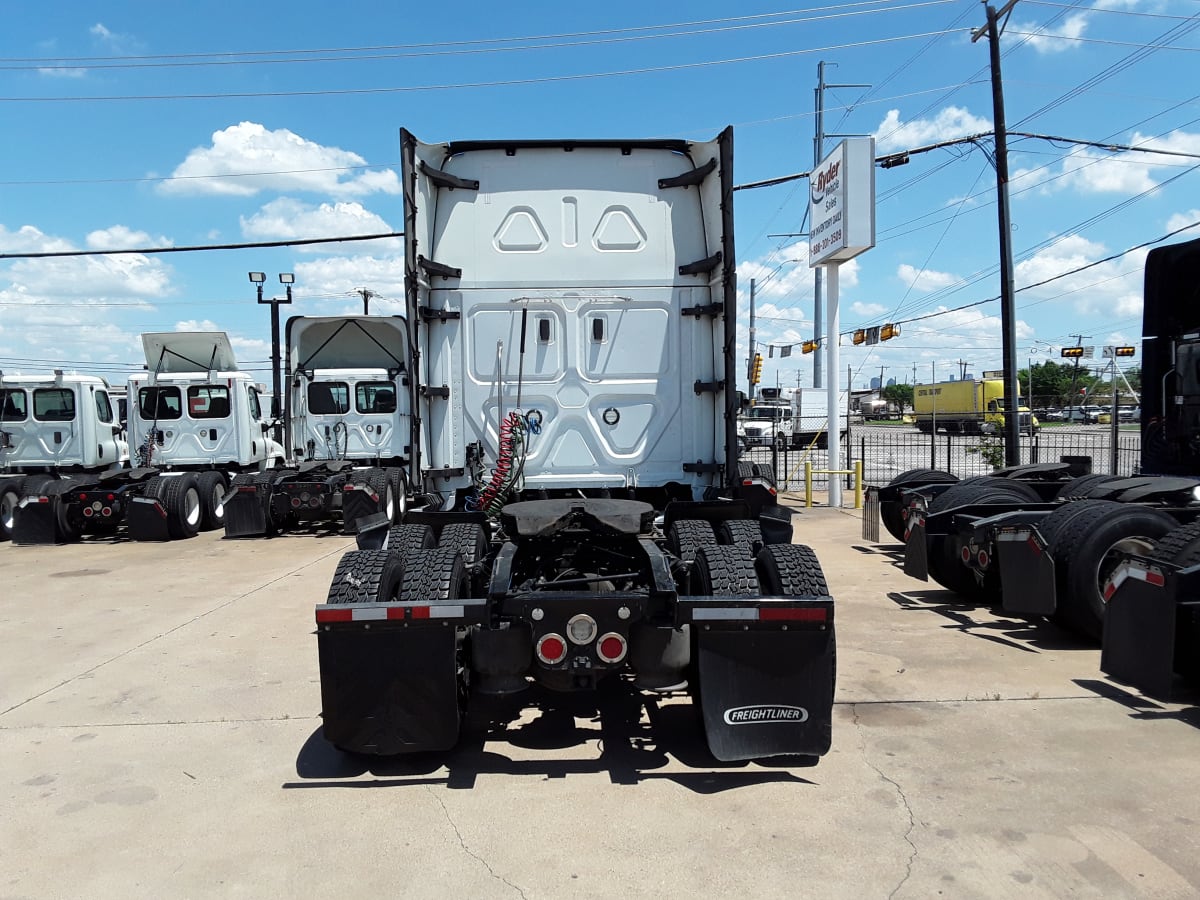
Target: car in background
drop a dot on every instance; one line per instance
(1129, 413)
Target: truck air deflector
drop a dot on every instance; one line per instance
(688, 179)
(446, 180)
(183, 351)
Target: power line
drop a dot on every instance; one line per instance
(510, 82)
(416, 51)
(198, 247)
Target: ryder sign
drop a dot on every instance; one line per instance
(841, 198)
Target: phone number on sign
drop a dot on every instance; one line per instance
(826, 242)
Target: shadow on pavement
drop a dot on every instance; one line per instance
(1144, 707)
(1031, 635)
(632, 747)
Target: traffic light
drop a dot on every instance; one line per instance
(887, 332)
(1072, 352)
(1124, 351)
(756, 369)
(808, 346)
(860, 337)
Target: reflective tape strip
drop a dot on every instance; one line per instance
(725, 612)
(1013, 535)
(1140, 573)
(369, 614)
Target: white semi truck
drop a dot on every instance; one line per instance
(52, 425)
(571, 314)
(347, 429)
(194, 422)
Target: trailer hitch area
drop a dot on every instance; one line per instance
(35, 521)
(765, 667)
(1027, 576)
(147, 520)
(1144, 599)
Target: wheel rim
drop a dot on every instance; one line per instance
(218, 500)
(191, 507)
(389, 502)
(8, 510)
(402, 503)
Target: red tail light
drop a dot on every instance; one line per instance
(551, 649)
(611, 647)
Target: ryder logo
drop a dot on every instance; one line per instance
(825, 180)
(767, 713)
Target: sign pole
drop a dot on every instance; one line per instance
(832, 408)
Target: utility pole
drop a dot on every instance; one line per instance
(1008, 317)
(750, 358)
(881, 369)
(963, 365)
(1079, 339)
(366, 295)
(818, 155)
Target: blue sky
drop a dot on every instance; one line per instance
(136, 125)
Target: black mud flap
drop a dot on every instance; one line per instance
(916, 547)
(371, 532)
(1027, 578)
(870, 515)
(245, 512)
(357, 503)
(1139, 623)
(389, 690)
(35, 521)
(147, 520)
(766, 692)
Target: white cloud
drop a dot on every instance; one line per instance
(1110, 289)
(120, 237)
(1055, 39)
(868, 310)
(245, 151)
(341, 275)
(286, 218)
(63, 72)
(952, 122)
(1094, 171)
(1182, 220)
(925, 280)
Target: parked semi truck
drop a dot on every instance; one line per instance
(966, 407)
(195, 421)
(50, 426)
(571, 310)
(1056, 541)
(347, 429)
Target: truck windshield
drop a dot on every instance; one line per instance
(12, 404)
(159, 403)
(54, 404)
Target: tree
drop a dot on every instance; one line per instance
(899, 394)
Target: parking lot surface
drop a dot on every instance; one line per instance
(160, 731)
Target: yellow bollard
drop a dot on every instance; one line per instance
(858, 480)
(807, 483)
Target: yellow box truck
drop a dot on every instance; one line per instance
(966, 407)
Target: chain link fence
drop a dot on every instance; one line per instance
(889, 450)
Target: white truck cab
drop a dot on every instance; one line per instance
(59, 422)
(193, 408)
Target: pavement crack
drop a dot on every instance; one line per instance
(467, 850)
(912, 821)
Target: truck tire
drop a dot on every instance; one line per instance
(686, 536)
(409, 539)
(54, 490)
(264, 482)
(399, 482)
(1182, 547)
(437, 574)
(469, 539)
(723, 570)
(381, 483)
(1077, 488)
(744, 533)
(180, 496)
(366, 576)
(891, 513)
(212, 499)
(790, 570)
(1086, 549)
(944, 552)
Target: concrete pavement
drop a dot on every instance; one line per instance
(159, 726)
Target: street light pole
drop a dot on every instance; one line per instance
(287, 279)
